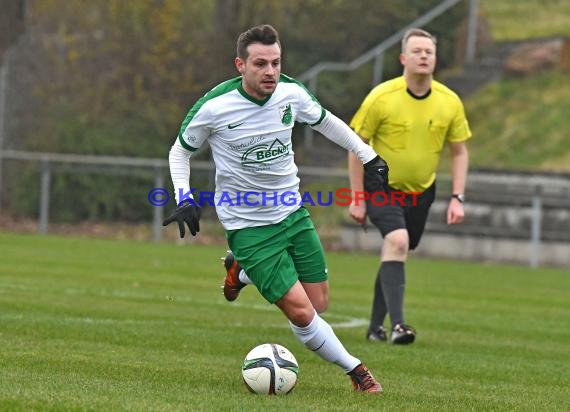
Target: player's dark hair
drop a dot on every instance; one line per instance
(264, 34)
(415, 32)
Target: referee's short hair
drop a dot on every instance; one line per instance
(417, 33)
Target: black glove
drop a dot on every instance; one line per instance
(189, 213)
(376, 175)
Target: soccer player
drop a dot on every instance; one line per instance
(248, 121)
(408, 120)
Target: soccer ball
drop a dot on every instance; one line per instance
(270, 369)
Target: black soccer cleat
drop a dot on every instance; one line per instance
(402, 334)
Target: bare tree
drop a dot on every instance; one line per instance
(226, 25)
(11, 23)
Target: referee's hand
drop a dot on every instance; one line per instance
(455, 212)
(187, 213)
(358, 212)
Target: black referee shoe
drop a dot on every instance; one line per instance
(378, 335)
(402, 334)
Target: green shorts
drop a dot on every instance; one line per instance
(276, 256)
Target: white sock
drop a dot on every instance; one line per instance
(243, 278)
(319, 337)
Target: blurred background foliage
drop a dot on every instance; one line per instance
(114, 77)
(527, 19)
(117, 78)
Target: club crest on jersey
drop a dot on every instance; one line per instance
(286, 114)
(264, 153)
(189, 138)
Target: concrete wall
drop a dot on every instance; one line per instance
(502, 211)
(465, 247)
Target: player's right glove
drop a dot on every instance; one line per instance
(187, 213)
(376, 175)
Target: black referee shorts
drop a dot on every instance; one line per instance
(401, 212)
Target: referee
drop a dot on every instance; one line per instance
(408, 120)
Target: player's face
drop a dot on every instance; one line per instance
(419, 57)
(260, 71)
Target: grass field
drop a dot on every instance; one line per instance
(506, 125)
(527, 19)
(109, 325)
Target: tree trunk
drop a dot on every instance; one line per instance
(226, 29)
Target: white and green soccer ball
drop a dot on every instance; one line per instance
(270, 369)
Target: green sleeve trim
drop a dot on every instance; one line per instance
(323, 114)
(186, 145)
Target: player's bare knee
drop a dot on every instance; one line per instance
(302, 316)
(321, 306)
(318, 294)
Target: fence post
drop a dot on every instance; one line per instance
(472, 21)
(3, 91)
(44, 197)
(378, 69)
(158, 210)
(536, 223)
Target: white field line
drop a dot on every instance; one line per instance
(336, 320)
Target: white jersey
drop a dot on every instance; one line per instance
(256, 176)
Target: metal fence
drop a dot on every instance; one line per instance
(376, 54)
(534, 196)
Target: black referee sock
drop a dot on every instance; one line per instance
(379, 309)
(393, 282)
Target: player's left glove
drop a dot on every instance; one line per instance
(187, 213)
(376, 175)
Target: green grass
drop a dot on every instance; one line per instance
(119, 325)
(527, 19)
(521, 123)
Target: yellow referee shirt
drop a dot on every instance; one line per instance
(410, 132)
